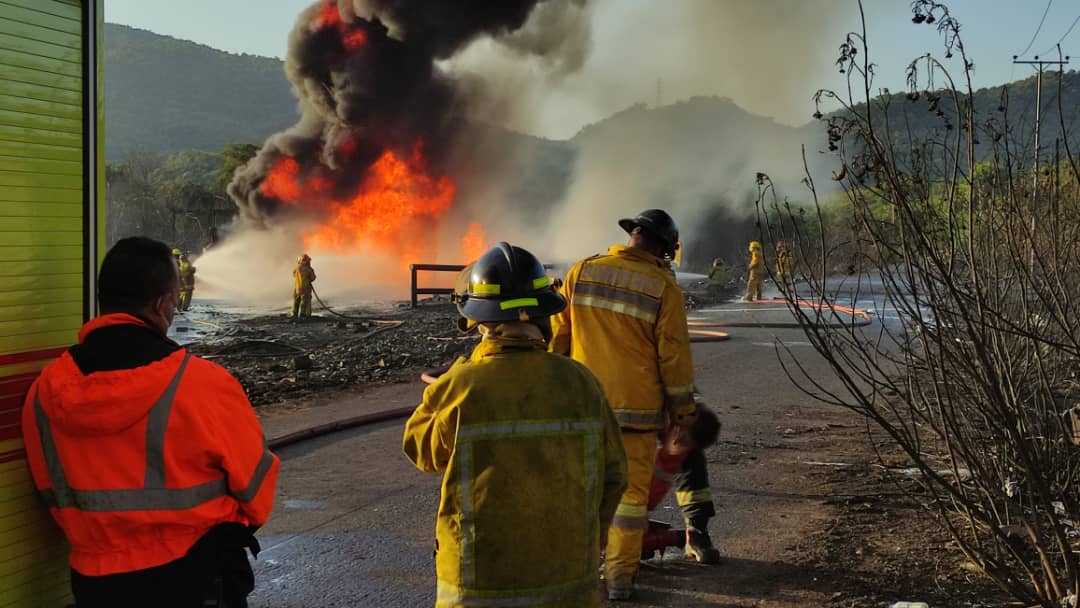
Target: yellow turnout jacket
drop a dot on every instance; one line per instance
(303, 277)
(626, 322)
(533, 470)
(757, 265)
(783, 262)
(187, 274)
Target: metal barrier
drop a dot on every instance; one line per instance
(417, 290)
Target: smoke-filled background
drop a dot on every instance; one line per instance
(400, 153)
(367, 179)
(682, 146)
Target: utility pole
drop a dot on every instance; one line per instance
(1042, 63)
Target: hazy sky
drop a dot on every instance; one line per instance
(767, 55)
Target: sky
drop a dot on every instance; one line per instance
(769, 56)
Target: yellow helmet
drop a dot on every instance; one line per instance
(176, 251)
(755, 246)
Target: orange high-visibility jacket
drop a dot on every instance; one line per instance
(627, 323)
(136, 465)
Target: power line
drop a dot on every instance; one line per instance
(1067, 32)
(1038, 29)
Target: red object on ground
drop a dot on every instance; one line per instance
(667, 466)
(659, 535)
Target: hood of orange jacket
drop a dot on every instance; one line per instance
(111, 400)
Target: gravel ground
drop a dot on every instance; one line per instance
(278, 360)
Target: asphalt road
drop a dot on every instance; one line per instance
(354, 521)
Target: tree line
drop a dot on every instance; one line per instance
(179, 199)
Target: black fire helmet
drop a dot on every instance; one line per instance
(508, 283)
(657, 224)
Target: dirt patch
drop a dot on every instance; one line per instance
(883, 544)
(278, 360)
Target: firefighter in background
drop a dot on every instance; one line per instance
(123, 436)
(717, 276)
(756, 271)
(783, 266)
(303, 277)
(187, 281)
(627, 323)
(520, 520)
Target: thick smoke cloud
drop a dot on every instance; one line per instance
(367, 76)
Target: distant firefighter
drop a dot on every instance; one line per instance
(783, 266)
(717, 275)
(303, 277)
(757, 272)
(187, 281)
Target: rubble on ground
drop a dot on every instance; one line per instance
(277, 359)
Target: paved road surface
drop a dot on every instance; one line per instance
(354, 520)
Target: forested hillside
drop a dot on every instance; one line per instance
(165, 95)
(180, 116)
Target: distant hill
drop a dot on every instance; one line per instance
(166, 95)
(697, 157)
(923, 118)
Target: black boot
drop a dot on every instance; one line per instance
(698, 544)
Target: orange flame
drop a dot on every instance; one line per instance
(474, 243)
(397, 210)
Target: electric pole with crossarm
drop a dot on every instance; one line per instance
(1042, 63)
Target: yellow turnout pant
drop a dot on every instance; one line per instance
(627, 530)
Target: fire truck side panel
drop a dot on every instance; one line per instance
(51, 224)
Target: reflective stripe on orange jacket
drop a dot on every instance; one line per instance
(627, 323)
(137, 464)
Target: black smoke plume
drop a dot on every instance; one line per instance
(367, 79)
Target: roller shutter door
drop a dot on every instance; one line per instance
(46, 210)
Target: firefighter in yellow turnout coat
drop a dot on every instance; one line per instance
(303, 277)
(756, 272)
(531, 454)
(627, 323)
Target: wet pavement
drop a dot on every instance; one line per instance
(354, 521)
(352, 525)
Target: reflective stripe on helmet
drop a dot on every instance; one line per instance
(487, 289)
(541, 282)
(518, 303)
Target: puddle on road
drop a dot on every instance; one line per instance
(306, 505)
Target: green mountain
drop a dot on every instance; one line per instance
(166, 95)
(902, 118)
(173, 105)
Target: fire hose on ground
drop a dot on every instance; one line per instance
(859, 318)
(698, 333)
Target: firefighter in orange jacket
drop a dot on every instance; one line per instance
(150, 459)
(627, 323)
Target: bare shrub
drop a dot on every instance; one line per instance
(978, 266)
